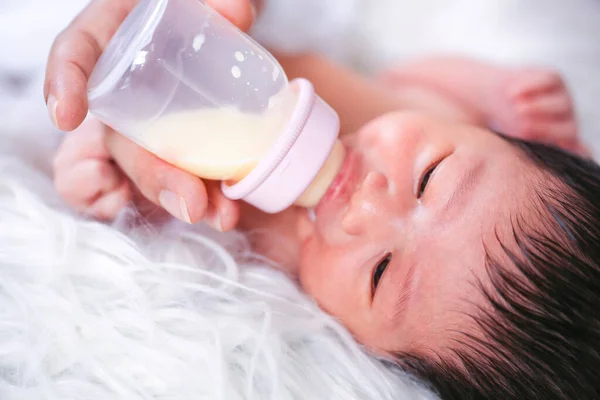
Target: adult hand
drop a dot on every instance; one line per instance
(77, 49)
(70, 64)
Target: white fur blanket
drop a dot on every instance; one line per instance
(89, 311)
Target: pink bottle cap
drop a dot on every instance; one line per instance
(296, 157)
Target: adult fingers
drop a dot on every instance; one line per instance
(77, 49)
(222, 213)
(241, 13)
(73, 57)
(183, 195)
(180, 193)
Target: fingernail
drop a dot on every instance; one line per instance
(253, 10)
(52, 106)
(175, 205)
(215, 222)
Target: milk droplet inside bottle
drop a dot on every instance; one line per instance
(198, 42)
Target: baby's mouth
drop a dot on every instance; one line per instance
(343, 186)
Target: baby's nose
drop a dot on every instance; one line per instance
(374, 183)
(369, 204)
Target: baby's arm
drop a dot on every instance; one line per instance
(359, 100)
(527, 103)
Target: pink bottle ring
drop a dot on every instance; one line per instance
(296, 157)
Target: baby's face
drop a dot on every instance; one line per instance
(396, 249)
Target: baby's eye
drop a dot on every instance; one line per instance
(425, 179)
(379, 270)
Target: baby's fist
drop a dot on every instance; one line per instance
(86, 177)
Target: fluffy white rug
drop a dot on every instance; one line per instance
(89, 311)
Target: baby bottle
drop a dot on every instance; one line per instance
(183, 82)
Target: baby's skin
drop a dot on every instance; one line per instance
(397, 242)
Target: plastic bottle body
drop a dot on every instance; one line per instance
(219, 143)
(186, 80)
(184, 83)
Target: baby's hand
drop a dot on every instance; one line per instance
(85, 175)
(535, 104)
(98, 172)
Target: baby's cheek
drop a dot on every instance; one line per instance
(321, 279)
(317, 275)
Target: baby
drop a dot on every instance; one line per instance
(464, 256)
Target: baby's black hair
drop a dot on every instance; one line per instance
(541, 335)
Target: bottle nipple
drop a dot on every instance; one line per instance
(317, 189)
